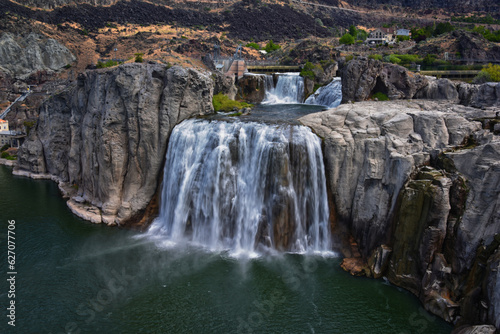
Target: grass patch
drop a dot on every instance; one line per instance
(109, 63)
(380, 96)
(376, 57)
(223, 103)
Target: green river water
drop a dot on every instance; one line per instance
(76, 277)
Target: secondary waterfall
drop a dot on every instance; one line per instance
(329, 96)
(289, 89)
(244, 187)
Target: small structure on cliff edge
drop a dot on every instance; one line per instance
(231, 66)
(9, 137)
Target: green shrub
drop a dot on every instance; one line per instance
(376, 57)
(6, 146)
(270, 46)
(401, 38)
(443, 27)
(222, 103)
(138, 57)
(408, 59)
(349, 58)
(380, 96)
(394, 59)
(253, 45)
(429, 59)
(309, 69)
(109, 63)
(5, 155)
(346, 39)
(489, 35)
(488, 19)
(490, 73)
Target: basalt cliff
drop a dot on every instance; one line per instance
(104, 139)
(414, 183)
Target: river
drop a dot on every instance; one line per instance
(77, 277)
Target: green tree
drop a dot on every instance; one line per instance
(253, 45)
(346, 39)
(442, 28)
(270, 46)
(421, 34)
(353, 30)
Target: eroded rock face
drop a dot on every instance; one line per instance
(23, 56)
(379, 158)
(438, 89)
(362, 77)
(253, 87)
(107, 135)
(359, 77)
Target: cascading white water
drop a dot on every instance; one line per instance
(244, 187)
(289, 89)
(329, 96)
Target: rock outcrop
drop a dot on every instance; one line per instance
(252, 88)
(23, 56)
(107, 136)
(362, 77)
(359, 77)
(416, 184)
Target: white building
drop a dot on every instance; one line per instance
(403, 32)
(381, 36)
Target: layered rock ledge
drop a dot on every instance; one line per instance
(417, 184)
(104, 139)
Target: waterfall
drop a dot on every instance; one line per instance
(244, 187)
(289, 89)
(329, 96)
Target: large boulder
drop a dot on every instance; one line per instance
(362, 77)
(224, 84)
(359, 77)
(438, 89)
(253, 87)
(107, 136)
(398, 83)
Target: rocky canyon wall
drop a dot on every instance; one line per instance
(105, 138)
(416, 183)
